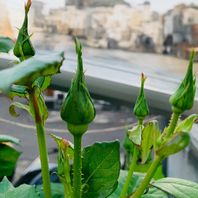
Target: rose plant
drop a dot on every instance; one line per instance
(93, 171)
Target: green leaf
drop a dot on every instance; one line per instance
(26, 72)
(100, 167)
(7, 138)
(64, 145)
(135, 181)
(57, 190)
(42, 82)
(8, 159)
(154, 193)
(150, 134)
(143, 168)
(129, 147)
(175, 144)
(23, 191)
(43, 107)
(6, 44)
(128, 144)
(18, 90)
(187, 124)
(19, 105)
(5, 185)
(135, 134)
(179, 188)
(30, 109)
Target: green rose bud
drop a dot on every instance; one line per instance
(183, 98)
(78, 109)
(23, 47)
(65, 154)
(141, 107)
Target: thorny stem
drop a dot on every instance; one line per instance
(130, 173)
(42, 146)
(67, 181)
(131, 167)
(67, 191)
(77, 166)
(151, 171)
(173, 123)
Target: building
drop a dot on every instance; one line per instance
(94, 3)
(36, 16)
(181, 27)
(138, 29)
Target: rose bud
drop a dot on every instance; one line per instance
(23, 48)
(141, 109)
(183, 98)
(78, 109)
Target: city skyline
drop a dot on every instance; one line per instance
(161, 6)
(14, 8)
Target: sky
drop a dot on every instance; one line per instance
(159, 5)
(162, 5)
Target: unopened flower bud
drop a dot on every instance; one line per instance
(78, 109)
(183, 98)
(65, 154)
(23, 47)
(141, 109)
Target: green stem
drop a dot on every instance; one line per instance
(67, 181)
(140, 121)
(44, 159)
(128, 154)
(173, 123)
(67, 191)
(130, 173)
(42, 146)
(77, 166)
(150, 173)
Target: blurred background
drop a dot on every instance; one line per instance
(121, 39)
(168, 27)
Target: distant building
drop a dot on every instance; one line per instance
(181, 25)
(37, 16)
(138, 29)
(94, 3)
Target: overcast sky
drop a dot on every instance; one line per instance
(163, 5)
(158, 5)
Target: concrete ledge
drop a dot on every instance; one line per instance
(118, 81)
(122, 84)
